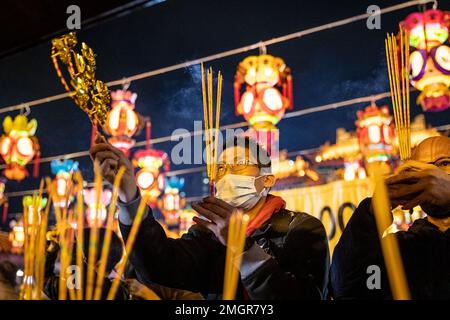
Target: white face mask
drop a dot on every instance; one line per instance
(239, 191)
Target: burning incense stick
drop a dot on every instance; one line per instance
(129, 246)
(108, 234)
(397, 57)
(35, 225)
(389, 244)
(211, 128)
(235, 246)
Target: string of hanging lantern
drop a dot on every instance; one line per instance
(310, 110)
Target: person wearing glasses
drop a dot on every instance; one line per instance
(286, 253)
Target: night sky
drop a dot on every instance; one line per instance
(330, 66)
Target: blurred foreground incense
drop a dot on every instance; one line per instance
(235, 246)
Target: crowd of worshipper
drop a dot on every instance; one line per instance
(286, 253)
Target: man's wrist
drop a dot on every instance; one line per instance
(129, 195)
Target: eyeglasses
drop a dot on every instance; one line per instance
(237, 167)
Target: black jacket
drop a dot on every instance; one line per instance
(297, 269)
(424, 249)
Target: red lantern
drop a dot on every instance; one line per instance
(430, 57)
(375, 133)
(268, 90)
(122, 122)
(18, 146)
(149, 178)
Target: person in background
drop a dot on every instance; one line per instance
(424, 247)
(8, 274)
(51, 281)
(286, 253)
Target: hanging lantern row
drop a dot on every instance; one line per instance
(430, 57)
(18, 146)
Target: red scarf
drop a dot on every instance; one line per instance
(273, 204)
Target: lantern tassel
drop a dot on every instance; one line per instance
(290, 93)
(37, 162)
(147, 133)
(93, 133)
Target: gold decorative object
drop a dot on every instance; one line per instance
(90, 94)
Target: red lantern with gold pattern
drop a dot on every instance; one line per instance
(122, 122)
(375, 133)
(18, 146)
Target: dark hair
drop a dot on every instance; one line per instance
(8, 272)
(262, 156)
(115, 249)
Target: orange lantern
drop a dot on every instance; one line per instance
(122, 122)
(18, 146)
(149, 178)
(267, 93)
(17, 236)
(375, 133)
(96, 214)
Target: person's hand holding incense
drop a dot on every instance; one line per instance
(111, 159)
(415, 187)
(52, 238)
(141, 291)
(218, 213)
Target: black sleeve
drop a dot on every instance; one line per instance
(304, 272)
(176, 263)
(358, 248)
(51, 282)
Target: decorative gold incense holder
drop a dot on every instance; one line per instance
(90, 94)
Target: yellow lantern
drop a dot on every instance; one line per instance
(18, 146)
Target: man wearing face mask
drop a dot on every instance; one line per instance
(424, 247)
(286, 253)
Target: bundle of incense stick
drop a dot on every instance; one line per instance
(235, 245)
(389, 244)
(128, 247)
(35, 227)
(398, 68)
(211, 128)
(35, 243)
